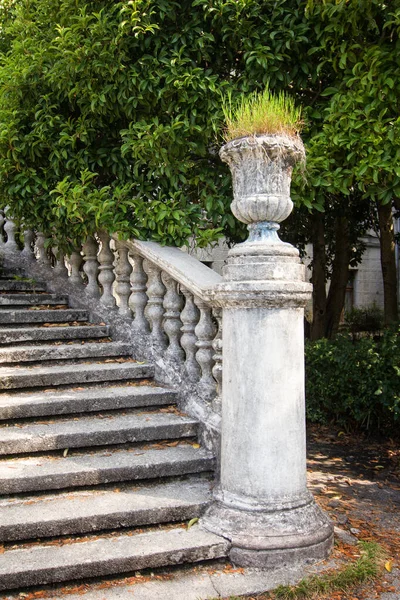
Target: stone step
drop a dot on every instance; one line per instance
(17, 378)
(43, 316)
(16, 405)
(31, 299)
(94, 430)
(45, 334)
(86, 511)
(13, 354)
(22, 286)
(78, 469)
(34, 565)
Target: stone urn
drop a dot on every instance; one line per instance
(261, 168)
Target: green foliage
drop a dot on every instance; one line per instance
(108, 115)
(369, 319)
(355, 384)
(120, 103)
(260, 113)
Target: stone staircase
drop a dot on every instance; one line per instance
(92, 449)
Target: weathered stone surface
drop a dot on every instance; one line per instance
(93, 510)
(22, 286)
(112, 428)
(206, 584)
(58, 402)
(43, 334)
(345, 536)
(183, 268)
(13, 354)
(43, 316)
(47, 473)
(14, 377)
(31, 299)
(117, 554)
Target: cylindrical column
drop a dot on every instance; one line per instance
(262, 503)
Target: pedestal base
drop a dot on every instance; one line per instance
(272, 539)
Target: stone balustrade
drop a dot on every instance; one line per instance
(155, 293)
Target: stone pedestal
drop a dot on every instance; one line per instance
(262, 504)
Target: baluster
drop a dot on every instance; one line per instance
(9, 227)
(123, 285)
(75, 261)
(173, 303)
(217, 357)
(27, 251)
(2, 221)
(154, 309)
(205, 331)
(41, 252)
(91, 266)
(190, 317)
(60, 269)
(106, 271)
(138, 298)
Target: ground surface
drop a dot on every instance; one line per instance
(357, 481)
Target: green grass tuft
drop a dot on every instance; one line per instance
(261, 113)
(365, 568)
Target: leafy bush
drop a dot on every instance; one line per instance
(355, 384)
(369, 318)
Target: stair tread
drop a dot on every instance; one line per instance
(23, 286)
(58, 374)
(53, 402)
(90, 510)
(32, 299)
(122, 553)
(61, 315)
(32, 353)
(70, 332)
(57, 472)
(94, 430)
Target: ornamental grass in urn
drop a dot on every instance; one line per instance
(263, 145)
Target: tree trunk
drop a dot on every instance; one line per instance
(388, 262)
(318, 276)
(340, 276)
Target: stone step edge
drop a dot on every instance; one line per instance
(88, 511)
(62, 315)
(38, 334)
(93, 431)
(63, 402)
(15, 378)
(48, 564)
(51, 352)
(31, 474)
(210, 581)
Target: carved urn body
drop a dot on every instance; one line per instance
(261, 168)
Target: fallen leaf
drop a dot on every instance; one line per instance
(196, 445)
(192, 522)
(389, 565)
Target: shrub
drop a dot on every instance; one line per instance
(355, 384)
(369, 318)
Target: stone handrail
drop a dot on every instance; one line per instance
(155, 296)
